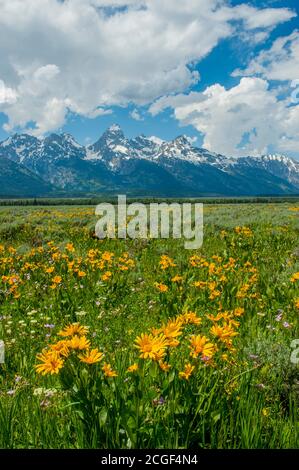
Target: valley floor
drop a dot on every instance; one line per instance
(144, 344)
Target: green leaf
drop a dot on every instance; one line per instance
(103, 415)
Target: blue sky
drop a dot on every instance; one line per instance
(43, 84)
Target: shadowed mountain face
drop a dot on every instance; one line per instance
(141, 166)
(18, 181)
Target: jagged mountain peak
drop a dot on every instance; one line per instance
(114, 128)
(182, 140)
(71, 140)
(141, 138)
(113, 132)
(111, 144)
(65, 141)
(181, 149)
(15, 138)
(278, 158)
(273, 158)
(156, 140)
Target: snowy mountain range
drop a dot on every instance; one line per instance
(142, 166)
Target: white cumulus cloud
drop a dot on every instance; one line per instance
(245, 119)
(87, 55)
(7, 95)
(136, 115)
(280, 62)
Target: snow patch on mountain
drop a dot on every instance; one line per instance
(156, 140)
(91, 155)
(121, 149)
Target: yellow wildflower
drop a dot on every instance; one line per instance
(166, 262)
(164, 366)
(78, 342)
(61, 347)
(107, 256)
(186, 373)
(133, 368)
(238, 312)
(74, 329)
(108, 372)
(106, 275)
(91, 357)
(151, 347)
(51, 363)
(50, 270)
(161, 287)
(223, 332)
(190, 318)
(177, 278)
(70, 247)
(200, 284)
(201, 345)
(295, 277)
(172, 330)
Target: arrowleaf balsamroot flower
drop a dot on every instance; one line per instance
(107, 256)
(74, 329)
(201, 345)
(224, 332)
(186, 373)
(78, 342)
(107, 275)
(50, 270)
(61, 347)
(164, 366)
(177, 278)
(91, 357)
(151, 347)
(108, 371)
(51, 363)
(238, 312)
(133, 368)
(171, 331)
(161, 287)
(70, 247)
(190, 318)
(166, 262)
(219, 316)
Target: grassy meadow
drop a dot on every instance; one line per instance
(144, 344)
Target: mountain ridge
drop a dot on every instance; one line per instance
(141, 165)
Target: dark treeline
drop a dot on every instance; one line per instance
(113, 200)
